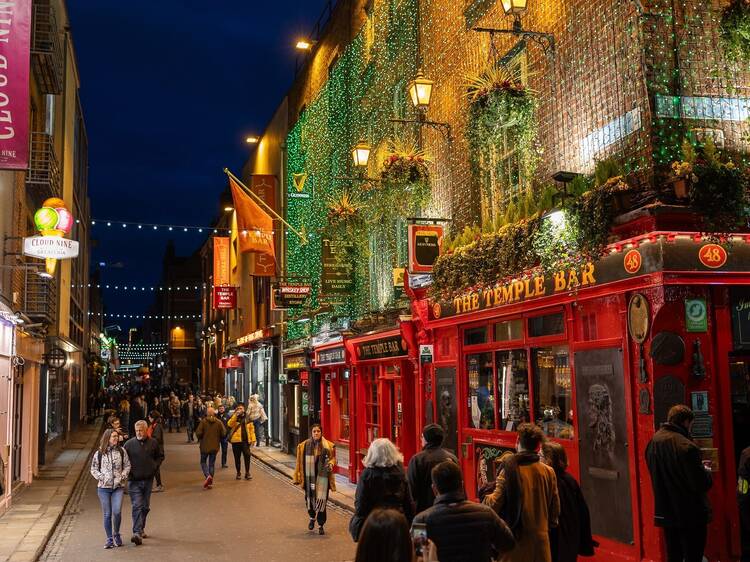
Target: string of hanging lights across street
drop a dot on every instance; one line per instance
(163, 227)
(148, 316)
(138, 288)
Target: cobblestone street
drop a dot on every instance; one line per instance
(263, 519)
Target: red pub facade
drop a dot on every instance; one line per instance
(595, 356)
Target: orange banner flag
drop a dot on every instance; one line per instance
(254, 224)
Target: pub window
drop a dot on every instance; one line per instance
(344, 410)
(513, 388)
(549, 325)
(553, 404)
(371, 405)
(474, 336)
(509, 330)
(481, 391)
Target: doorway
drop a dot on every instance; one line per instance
(739, 377)
(17, 442)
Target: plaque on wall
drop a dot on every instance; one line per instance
(668, 391)
(667, 348)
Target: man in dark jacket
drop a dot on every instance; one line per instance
(190, 414)
(462, 531)
(222, 416)
(419, 473)
(680, 482)
(156, 432)
(210, 432)
(145, 456)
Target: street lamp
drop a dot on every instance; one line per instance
(228, 209)
(304, 44)
(252, 139)
(420, 91)
(361, 154)
(516, 8)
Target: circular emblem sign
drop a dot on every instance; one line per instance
(56, 358)
(712, 255)
(436, 310)
(632, 261)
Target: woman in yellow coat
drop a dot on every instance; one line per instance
(241, 435)
(316, 458)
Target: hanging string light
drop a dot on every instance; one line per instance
(148, 316)
(141, 288)
(167, 227)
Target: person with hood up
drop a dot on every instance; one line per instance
(210, 432)
(419, 473)
(381, 484)
(257, 415)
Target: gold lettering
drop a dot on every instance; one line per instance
(517, 290)
(527, 289)
(475, 301)
(559, 278)
(539, 288)
(487, 298)
(588, 274)
(497, 294)
(573, 279)
(457, 305)
(466, 302)
(507, 294)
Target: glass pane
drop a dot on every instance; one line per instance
(475, 336)
(481, 391)
(510, 330)
(552, 391)
(546, 325)
(513, 388)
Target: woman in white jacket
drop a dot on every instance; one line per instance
(110, 466)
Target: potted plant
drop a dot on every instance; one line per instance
(682, 178)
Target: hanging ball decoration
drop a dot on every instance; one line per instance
(53, 217)
(65, 222)
(46, 219)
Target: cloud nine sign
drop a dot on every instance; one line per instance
(46, 247)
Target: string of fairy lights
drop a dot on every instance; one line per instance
(161, 227)
(141, 288)
(147, 316)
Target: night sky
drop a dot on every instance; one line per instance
(169, 90)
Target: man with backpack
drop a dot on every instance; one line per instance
(145, 456)
(210, 432)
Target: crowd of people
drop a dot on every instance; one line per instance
(534, 511)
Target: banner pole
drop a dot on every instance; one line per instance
(301, 236)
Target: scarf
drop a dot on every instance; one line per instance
(316, 475)
(512, 509)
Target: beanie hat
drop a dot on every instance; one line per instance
(433, 434)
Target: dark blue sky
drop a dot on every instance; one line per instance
(169, 89)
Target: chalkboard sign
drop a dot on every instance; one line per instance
(740, 298)
(337, 275)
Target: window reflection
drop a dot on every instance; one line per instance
(552, 391)
(513, 388)
(481, 391)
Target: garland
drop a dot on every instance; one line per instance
(735, 31)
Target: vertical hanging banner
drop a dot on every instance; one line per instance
(221, 260)
(255, 225)
(425, 243)
(15, 56)
(264, 186)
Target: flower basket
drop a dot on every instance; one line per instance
(681, 188)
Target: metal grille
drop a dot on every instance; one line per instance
(43, 177)
(40, 298)
(46, 48)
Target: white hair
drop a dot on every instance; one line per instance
(141, 423)
(382, 453)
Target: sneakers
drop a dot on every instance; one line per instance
(238, 477)
(210, 480)
(248, 476)
(144, 535)
(109, 544)
(311, 524)
(321, 531)
(137, 539)
(206, 482)
(159, 489)
(117, 540)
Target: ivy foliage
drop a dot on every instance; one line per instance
(735, 31)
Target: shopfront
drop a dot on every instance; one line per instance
(385, 385)
(596, 356)
(235, 381)
(296, 402)
(336, 391)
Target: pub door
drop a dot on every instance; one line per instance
(739, 376)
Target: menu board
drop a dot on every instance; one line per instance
(337, 276)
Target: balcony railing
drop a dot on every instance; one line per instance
(46, 48)
(43, 177)
(40, 298)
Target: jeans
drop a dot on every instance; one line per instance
(174, 423)
(111, 500)
(685, 544)
(140, 498)
(157, 475)
(258, 431)
(241, 450)
(208, 468)
(224, 447)
(190, 429)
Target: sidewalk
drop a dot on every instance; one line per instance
(26, 527)
(284, 463)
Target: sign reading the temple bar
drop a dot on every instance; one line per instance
(15, 46)
(338, 268)
(333, 356)
(225, 297)
(393, 346)
(425, 242)
(287, 295)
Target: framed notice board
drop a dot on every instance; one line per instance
(740, 299)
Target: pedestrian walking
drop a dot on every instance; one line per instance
(144, 458)
(381, 484)
(385, 537)
(210, 432)
(241, 436)
(526, 498)
(113, 423)
(190, 415)
(123, 412)
(174, 412)
(316, 458)
(680, 482)
(419, 473)
(156, 431)
(110, 467)
(463, 531)
(222, 416)
(137, 412)
(572, 537)
(258, 416)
